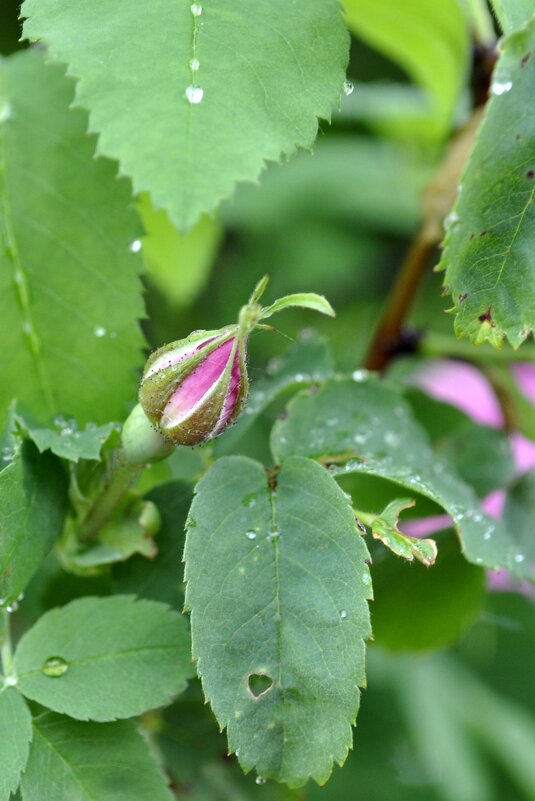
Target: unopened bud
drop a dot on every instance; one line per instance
(194, 388)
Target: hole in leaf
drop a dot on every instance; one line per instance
(259, 684)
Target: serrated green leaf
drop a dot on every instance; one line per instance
(266, 72)
(364, 427)
(385, 528)
(99, 642)
(65, 439)
(277, 587)
(489, 242)
(179, 264)
(429, 40)
(74, 761)
(33, 505)
(69, 290)
(303, 300)
(15, 736)
(420, 609)
(519, 514)
(512, 14)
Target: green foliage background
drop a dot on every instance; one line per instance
(130, 217)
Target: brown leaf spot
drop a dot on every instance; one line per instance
(463, 296)
(524, 60)
(486, 317)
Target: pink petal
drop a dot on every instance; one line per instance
(461, 385)
(231, 397)
(195, 386)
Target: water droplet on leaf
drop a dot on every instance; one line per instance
(251, 535)
(196, 9)
(135, 246)
(194, 64)
(348, 88)
(99, 331)
(194, 94)
(55, 667)
(501, 87)
(343, 614)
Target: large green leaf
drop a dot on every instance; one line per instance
(512, 14)
(15, 736)
(212, 91)
(74, 761)
(488, 255)
(308, 361)
(104, 658)
(364, 427)
(277, 586)
(65, 439)
(69, 292)
(33, 505)
(429, 40)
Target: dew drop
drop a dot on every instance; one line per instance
(348, 88)
(55, 667)
(194, 94)
(518, 558)
(10, 681)
(7, 454)
(135, 246)
(260, 780)
(274, 534)
(359, 375)
(12, 607)
(391, 439)
(99, 331)
(251, 535)
(343, 614)
(194, 64)
(196, 9)
(366, 578)
(501, 87)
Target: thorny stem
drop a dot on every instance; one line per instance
(6, 653)
(120, 478)
(438, 200)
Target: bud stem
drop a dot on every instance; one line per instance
(6, 653)
(121, 476)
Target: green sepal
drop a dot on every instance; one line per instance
(303, 300)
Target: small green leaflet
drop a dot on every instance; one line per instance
(70, 295)
(33, 505)
(303, 300)
(488, 249)
(364, 426)
(427, 39)
(74, 761)
(217, 89)
(104, 658)
(277, 586)
(15, 736)
(65, 439)
(385, 528)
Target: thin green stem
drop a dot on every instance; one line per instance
(482, 22)
(122, 474)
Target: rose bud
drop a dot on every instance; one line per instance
(193, 389)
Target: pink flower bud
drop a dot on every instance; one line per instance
(194, 388)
